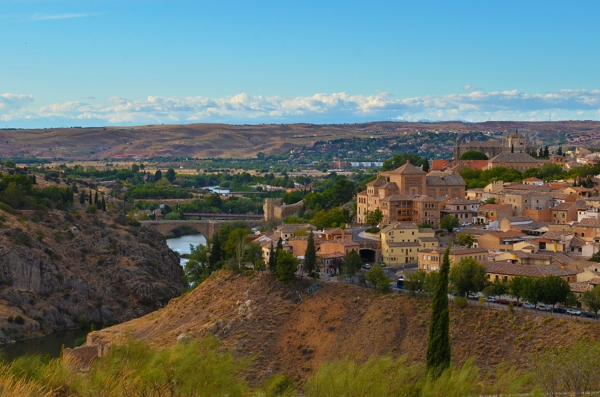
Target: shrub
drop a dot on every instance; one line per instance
(460, 301)
(19, 320)
(279, 385)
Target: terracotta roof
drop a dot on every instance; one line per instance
(445, 180)
(519, 219)
(513, 158)
(576, 242)
(399, 225)
(580, 286)
(428, 239)
(377, 182)
(345, 243)
(459, 202)
(331, 256)
(426, 230)
(556, 235)
(408, 169)
(424, 198)
(589, 222)
(532, 179)
(508, 234)
(398, 197)
(563, 207)
(512, 269)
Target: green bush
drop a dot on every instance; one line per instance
(460, 301)
(279, 385)
(19, 320)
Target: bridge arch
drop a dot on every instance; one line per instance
(205, 227)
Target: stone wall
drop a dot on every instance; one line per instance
(274, 209)
(81, 356)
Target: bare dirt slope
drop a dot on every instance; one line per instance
(287, 331)
(237, 141)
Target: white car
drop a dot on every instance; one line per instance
(528, 305)
(544, 308)
(366, 266)
(465, 224)
(574, 312)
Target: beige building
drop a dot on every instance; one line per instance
(401, 242)
(406, 183)
(430, 259)
(499, 241)
(506, 270)
(493, 212)
(516, 161)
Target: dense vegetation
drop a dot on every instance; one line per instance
(201, 368)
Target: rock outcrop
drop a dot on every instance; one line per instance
(71, 268)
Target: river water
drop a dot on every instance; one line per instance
(182, 244)
(50, 344)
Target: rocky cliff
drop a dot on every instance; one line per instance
(69, 268)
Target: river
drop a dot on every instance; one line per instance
(182, 244)
(50, 344)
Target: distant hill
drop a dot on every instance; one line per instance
(243, 141)
(287, 331)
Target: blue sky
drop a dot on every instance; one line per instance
(137, 62)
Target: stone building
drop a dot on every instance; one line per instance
(511, 142)
(408, 194)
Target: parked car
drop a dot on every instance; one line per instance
(517, 304)
(473, 296)
(367, 266)
(490, 299)
(465, 224)
(528, 305)
(574, 312)
(382, 264)
(560, 310)
(544, 308)
(588, 314)
(503, 301)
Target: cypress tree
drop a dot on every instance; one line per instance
(216, 253)
(512, 148)
(438, 348)
(279, 244)
(90, 200)
(546, 152)
(81, 198)
(103, 204)
(96, 198)
(272, 260)
(310, 255)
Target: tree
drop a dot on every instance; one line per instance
(401, 159)
(591, 300)
(377, 277)
(464, 240)
(197, 267)
(491, 200)
(13, 195)
(431, 280)
(103, 204)
(310, 255)
(512, 148)
(468, 276)
(375, 217)
(497, 288)
(157, 175)
(287, 266)
(449, 222)
(560, 151)
(173, 216)
(438, 346)
(425, 165)
(517, 287)
(595, 257)
(236, 244)
(473, 155)
(541, 152)
(170, 175)
(81, 198)
(90, 199)
(341, 192)
(96, 198)
(546, 152)
(415, 282)
(553, 290)
(351, 263)
(272, 259)
(216, 253)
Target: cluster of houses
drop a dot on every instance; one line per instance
(531, 228)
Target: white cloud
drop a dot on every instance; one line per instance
(470, 87)
(320, 107)
(41, 17)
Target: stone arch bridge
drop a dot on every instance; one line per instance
(205, 227)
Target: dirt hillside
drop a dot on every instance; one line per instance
(287, 330)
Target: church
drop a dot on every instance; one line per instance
(515, 142)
